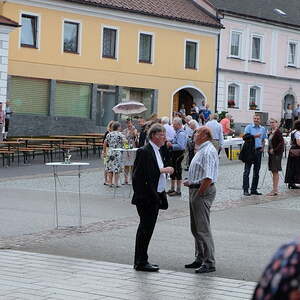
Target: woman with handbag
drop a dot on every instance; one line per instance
(275, 150)
(292, 175)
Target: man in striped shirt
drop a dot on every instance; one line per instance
(202, 176)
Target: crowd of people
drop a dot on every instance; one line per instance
(160, 148)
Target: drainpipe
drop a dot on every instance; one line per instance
(217, 73)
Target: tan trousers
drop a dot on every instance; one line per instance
(200, 224)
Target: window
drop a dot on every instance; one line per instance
(29, 95)
(256, 48)
(235, 47)
(71, 37)
(254, 98)
(109, 43)
(233, 96)
(29, 31)
(292, 54)
(145, 48)
(191, 55)
(73, 100)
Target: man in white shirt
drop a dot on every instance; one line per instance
(201, 181)
(170, 131)
(217, 132)
(149, 183)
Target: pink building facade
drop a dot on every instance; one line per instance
(259, 68)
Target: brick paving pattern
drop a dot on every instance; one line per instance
(36, 276)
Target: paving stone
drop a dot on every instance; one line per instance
(80, 281)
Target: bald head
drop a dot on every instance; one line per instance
(202, 135)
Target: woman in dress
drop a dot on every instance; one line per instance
(108, 130)
(292, 174)
(114, 140)
(131, 137)
(275, 150)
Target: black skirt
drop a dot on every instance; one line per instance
(292, 174)
(274, 162)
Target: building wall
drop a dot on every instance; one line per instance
(272, 74)
(166, 74)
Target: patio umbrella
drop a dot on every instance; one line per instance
(129, 108)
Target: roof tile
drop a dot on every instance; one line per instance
(180, 10)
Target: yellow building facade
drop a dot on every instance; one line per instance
(175, 65)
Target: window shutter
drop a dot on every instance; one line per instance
(29, 96)
(73, 100)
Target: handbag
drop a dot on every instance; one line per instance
(163, 203)
(294, 152)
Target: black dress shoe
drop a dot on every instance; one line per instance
(205, 269)
(193, 265)
(146, 268)
(255, 193)
(293, 186)
(246, 193)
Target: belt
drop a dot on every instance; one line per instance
(197, 186)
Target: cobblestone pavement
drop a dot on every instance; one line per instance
(229, 186)
(36, 276)
(228, 196)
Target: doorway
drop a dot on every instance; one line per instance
(186, 97)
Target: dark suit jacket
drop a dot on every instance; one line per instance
(145, 177)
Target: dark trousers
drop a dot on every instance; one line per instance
(176, 160)
(148, 216)
(256, 168)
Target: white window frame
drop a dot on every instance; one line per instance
(117, 42)
(261, 37)
(152, 47)
(240, 44)
(197, 67)
(260, 102)
(79, 35)
(239, 94)
(296, 53)
(38, 34)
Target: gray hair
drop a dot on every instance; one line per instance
(214, 116)
(193, 122)
(188, 118)
(165, 120)
(177, 120)
(155, 128)
(228, 115)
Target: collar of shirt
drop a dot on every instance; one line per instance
(155, 147)
(204, 144)
(256, 126)
(162, 178)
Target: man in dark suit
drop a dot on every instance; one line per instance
(149, 183)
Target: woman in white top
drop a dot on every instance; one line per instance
(292, 174)
(288, 117)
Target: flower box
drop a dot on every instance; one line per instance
(231, 103)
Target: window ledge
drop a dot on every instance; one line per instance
(111, 57)
(29, 46)
(236, 58)
(233, 107)
(292, 67)
(190, 68)
(70, 52)
(256, 61)
(145, 62)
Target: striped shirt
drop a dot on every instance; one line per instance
(205, 164)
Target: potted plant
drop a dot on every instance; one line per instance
(231, 103)
(253, 106)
